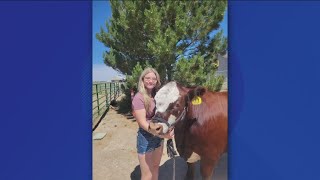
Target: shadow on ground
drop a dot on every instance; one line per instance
(166, 170)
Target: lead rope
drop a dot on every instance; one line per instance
(171, 153)
(174, 169)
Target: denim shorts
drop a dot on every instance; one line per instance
(147, 142)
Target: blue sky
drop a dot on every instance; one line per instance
(101, 13)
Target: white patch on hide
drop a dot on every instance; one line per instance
(165, 96)
(165, 128)
(193, 158)
(171, 119)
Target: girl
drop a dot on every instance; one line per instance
(149, 147)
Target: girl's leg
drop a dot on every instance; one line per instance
(149, 163)
(156, 158)
(145, 161)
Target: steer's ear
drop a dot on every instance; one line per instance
(198, 91)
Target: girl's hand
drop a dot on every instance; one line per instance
(168, 135)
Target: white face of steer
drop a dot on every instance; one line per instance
(165, 96)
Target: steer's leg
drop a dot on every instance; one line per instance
(190, 172)
(206, 168)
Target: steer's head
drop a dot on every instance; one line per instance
(170, 102)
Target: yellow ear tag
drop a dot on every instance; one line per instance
(196, 100)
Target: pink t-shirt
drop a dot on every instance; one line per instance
(138, 103)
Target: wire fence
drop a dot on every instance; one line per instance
(103, 93)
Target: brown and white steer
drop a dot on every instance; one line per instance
(200, 121)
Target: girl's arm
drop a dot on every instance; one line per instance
(140, 116)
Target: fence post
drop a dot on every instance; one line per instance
(119, 88)
(110, 93)
(118, 93)
(114, 91)
(97, 99)
(106, 93)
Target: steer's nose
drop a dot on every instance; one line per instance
(155, 128)
(159, 129)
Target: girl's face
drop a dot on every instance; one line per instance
(150, 81)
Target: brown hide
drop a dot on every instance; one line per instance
(205, 128)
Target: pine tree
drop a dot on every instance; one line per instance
(171, 36)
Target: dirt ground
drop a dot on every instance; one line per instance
(115, 156)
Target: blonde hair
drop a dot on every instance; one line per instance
(142, 89)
